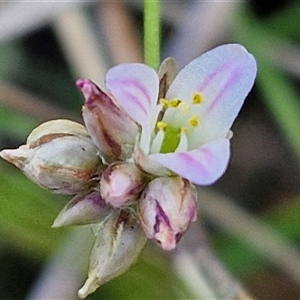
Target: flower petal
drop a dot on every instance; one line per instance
(224, 76)
(135, 86)
(201, 166)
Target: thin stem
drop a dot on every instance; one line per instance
(152, 33)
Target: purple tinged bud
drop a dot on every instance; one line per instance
(111, 128)
(166, 209)
(120, 241)
(59, 155)
(121, 184)
(83, 209)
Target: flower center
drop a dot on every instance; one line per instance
(179, 120)
(171, 139)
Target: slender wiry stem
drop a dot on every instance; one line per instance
(152, 33)
(18, 99)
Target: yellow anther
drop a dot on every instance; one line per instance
(194, 121)
(174, 102)
(161, 125)
(164, 102)
(198, 98)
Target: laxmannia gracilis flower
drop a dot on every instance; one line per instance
(155, 137)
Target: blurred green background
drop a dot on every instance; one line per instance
(45, 47)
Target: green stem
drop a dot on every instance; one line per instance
(152, 33)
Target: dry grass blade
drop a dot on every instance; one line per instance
(18, 18)
(22, 101)
(198, 267)
(80, 44)
(202, 26)
(273, 247)
(286, 56)
(121, 33)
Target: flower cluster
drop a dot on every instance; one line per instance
(147, 140)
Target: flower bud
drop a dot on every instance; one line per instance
(111, 129)
(83, 209)
(119, 243)
(59, 156)
(121, 184)
(166, 209)
(50, 130)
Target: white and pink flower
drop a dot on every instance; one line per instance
(157, 135)
(188, 131)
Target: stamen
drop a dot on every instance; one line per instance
(194, 121)
(198, 98)
(164, 102)
(161, 125)
(174, 102)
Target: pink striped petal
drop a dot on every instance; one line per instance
(201, 166)
(135, 86)
(224, 76)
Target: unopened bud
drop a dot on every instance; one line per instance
(111, 129)
(83, 209)
(166, 209)
(118, 245)
(121, 184)
(59, 156)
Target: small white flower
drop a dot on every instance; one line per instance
(186, 132)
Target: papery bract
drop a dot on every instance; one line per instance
(111, 129)
(84, 208)
(119, 242)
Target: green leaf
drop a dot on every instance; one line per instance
(285, 23)
(279, 94)
(26, 214)
(15, 125)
